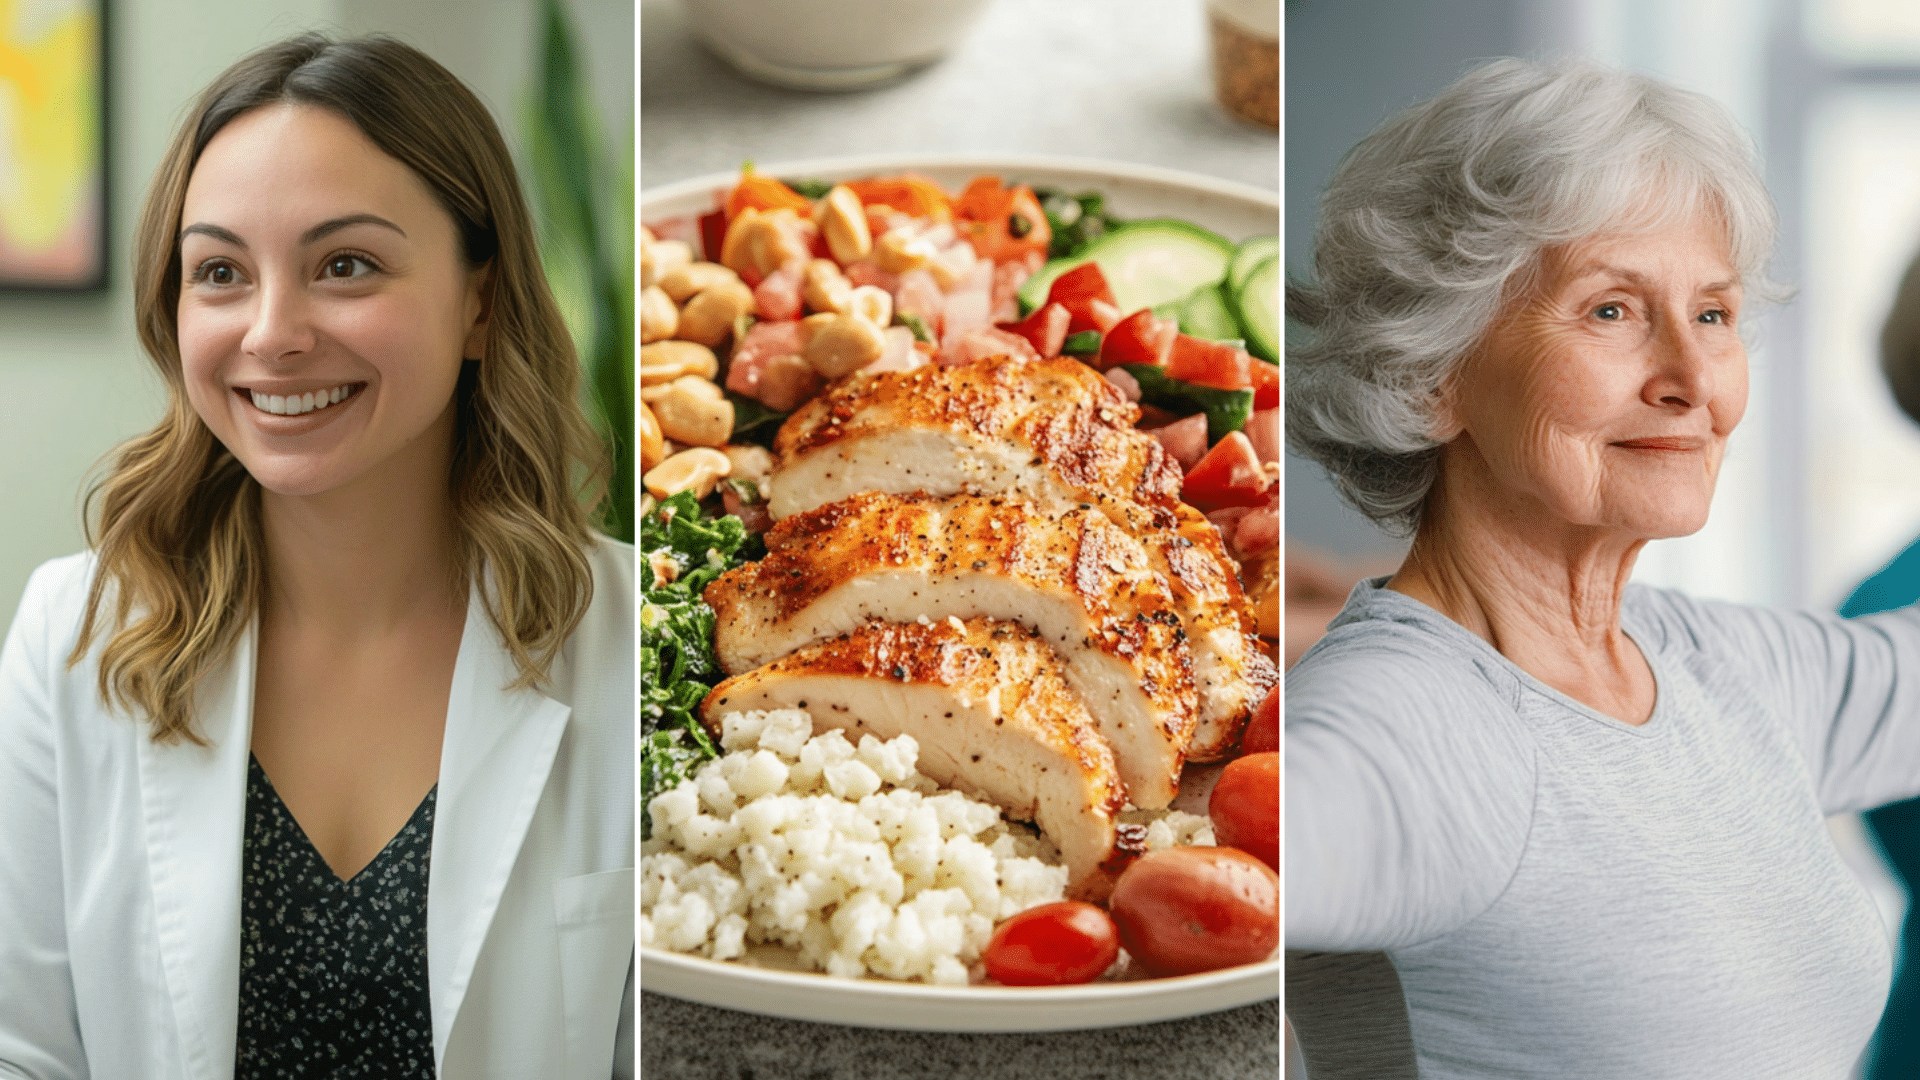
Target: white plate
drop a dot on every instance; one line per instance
(1234, 210)
(1231, 209)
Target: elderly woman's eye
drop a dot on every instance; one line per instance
(1609, 311)
(1715, 316)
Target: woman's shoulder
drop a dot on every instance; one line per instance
(55, 597)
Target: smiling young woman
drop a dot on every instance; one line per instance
(376, 809)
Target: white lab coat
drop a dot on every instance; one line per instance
(120, 858)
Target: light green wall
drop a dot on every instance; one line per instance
(73, 381)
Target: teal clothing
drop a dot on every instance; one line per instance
(1896, 1044)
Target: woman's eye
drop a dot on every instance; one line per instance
(214, 273)
(346, 266)
(1714, 316)
(1609, 312)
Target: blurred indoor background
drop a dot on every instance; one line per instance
(73, 381)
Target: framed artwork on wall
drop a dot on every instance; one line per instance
(53, 145)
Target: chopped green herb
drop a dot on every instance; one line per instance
(1084, 343)
(680, 554)
(753, 422)
(914, 323)
(1076, 220)
(812, 189)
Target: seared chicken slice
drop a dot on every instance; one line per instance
(986, 701)
(1084, 584)
(1231, 670)
(1060, 435)
(1055, 429)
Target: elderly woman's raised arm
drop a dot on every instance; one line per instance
(1409, 795)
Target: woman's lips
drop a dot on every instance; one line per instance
(1671, 443)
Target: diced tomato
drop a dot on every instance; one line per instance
(1185, 439)
(1046, 329)
(984, 342)
(1084, 290)
(1263, 431)
(914, 196)
(1259, 530)
(1138, 339)
(713, 234)
(1230, 475)
(763, 342)
(1002, 224)
(899, 354)
(778, 297)
(1209, 363)
(1266, 384)
(918, 293)
(1008, 276)
(763, 193)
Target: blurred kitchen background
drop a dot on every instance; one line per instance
(73, 381)
(1121, 80)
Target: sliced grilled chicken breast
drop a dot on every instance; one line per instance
(1061, 436)
(1055, 430)
(1077, 578)
(1231, 670)
(988, 704)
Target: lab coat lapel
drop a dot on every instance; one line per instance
(194, 802)
(494, 760)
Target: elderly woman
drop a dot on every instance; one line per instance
(1579, 823)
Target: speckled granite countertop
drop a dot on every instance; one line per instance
(1123, 80)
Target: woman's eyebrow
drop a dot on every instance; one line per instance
(324, 229)
(334, 225)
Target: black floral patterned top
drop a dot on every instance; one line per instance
(333, 974)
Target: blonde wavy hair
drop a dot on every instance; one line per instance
(178, 534)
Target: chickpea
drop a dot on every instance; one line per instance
(872, 303)
(845, 344)
(844, 223)
(899, 251)
(695, 470)
(681, 283)
(659, 318)
(708, 317)
(787, 382)
(653, 447)
(665, 361)
(826, 288)
(694, 411)
(658, 258)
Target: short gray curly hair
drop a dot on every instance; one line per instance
(1441, 214)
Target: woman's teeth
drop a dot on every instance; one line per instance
(299, 404)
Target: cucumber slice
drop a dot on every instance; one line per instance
(1251, 253)
(1206, 314)
(1147, 263)
(1227, 410)
(1257, 302)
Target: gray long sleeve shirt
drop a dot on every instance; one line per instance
(1564, 895)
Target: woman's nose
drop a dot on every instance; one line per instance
(1683, 374)
(281, 326)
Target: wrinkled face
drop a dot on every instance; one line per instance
(325, 306)
(1605, 398)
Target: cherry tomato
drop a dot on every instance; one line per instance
(1053, 944)
(1263, 731)
(1140, 338)
(1210, 363)
(1245, 806)
(1187, 909)
(1085, 292)
(1230, 475)
(1046, 328)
